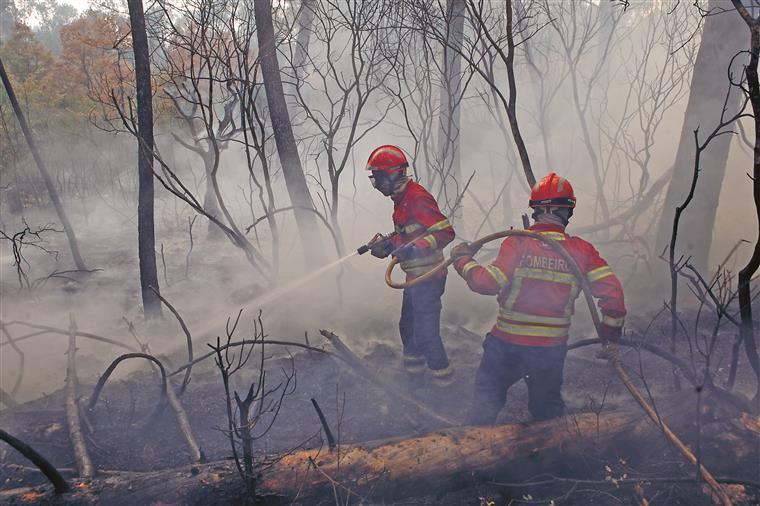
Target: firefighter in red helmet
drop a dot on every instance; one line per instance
(421, 232)
(536, 292)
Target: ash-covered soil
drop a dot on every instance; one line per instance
(122, 436)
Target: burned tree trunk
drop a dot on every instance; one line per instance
(512, 105)
(451, 95)
(210, 202)
(437, 461)
(305, 22)
(52, 192)
(295, 179)
(145, 224)
(722, 38)
(746, 328)
(445, 459)
(82, 455)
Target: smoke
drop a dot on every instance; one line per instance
(351, 300)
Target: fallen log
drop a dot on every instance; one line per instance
(439, 461)
(434, 463)
(443, 459)
(84, 463)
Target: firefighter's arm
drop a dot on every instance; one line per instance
(489, 279)
(396, 240)
(606, 287)
(438, 231)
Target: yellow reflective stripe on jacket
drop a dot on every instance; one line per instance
(507, 314)
(468, 267)
(430, 239)
(441, 225)
(498, 275)
(545, 275)
(613, 322)
(418, 271)
(409, 228)
(433, 258)
(557, 236)
(599, 273)
(421, 265)
(531, 330)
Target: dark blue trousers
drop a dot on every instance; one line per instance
(504, 364)
(420, 324)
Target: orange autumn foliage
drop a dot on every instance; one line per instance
(95, 62)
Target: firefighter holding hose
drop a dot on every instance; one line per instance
(536, 292)
(421, 232)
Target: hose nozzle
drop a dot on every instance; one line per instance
(363, 249)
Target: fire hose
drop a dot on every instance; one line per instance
(610, 344)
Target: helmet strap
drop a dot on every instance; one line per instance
(401, 183)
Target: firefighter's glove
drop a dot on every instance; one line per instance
(408, 252)
(610, 333)
(465, 249)
(381, 248)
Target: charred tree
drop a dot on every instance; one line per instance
(305, 22)
(451, 96)
(145, 223)
(512, 107)
(210, 202)
(295, 179)
(52, 192)
(722, 38)
(202, 144)
(475, 11)
(746, 328)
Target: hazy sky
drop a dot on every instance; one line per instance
(79, 5)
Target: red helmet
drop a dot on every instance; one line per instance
(388, 159)
(552, 191)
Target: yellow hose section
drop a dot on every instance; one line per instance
(613, 349)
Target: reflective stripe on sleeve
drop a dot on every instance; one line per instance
(599, 273)
(468, 267)
(441, 225)
(613, 322)
(498, 275)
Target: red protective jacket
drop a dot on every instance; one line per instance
(536, 289)
(417, 219)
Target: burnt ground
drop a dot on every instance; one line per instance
(124, 438)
